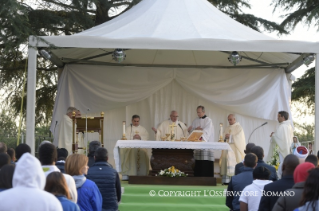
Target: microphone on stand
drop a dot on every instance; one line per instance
(256, 129)
(181, 128)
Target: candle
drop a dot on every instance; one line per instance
(221, 131)
(124, 127)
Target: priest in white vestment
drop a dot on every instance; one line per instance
(64, 139)
(282, 137)
(180, 129)
(135, 161)
(235, 137)
(204, 159)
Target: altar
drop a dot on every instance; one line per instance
(184, 150)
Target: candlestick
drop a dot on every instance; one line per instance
(124, 137)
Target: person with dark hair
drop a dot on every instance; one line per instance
(240, 181)
(12, 155)
(249, 146)
(3, 147)
(4, 159)
(261, 178)
(21, 149)
(282, 137)
(310, 149)
(259, 151)
(290, 202)
(312, 159)
(6, 175)
(204, 159)
(135, 161)
(27, 188)
(93, 146)
(106, 179)
(310, 195)
(56, 184)
(48, 157)
(289, 165)
(62, 155)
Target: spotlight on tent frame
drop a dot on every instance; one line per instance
(234, 58)
(308, 59)
(119, 55)
(45, 54)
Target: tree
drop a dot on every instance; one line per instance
(304, 90)
(67, 17)
(8, 129)
(298, 11)
(306, 132)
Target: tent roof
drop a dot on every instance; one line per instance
(176, 32)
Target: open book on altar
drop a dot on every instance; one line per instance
(195, 136)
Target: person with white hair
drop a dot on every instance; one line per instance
(64, 136)
(180, 129)
(27, 193)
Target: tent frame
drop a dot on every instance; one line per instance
(256, 46)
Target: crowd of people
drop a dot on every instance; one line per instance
(256, 187)
(55, 181)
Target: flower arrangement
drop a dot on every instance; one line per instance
(172, 172)
(275, 158)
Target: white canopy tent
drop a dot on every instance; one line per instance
(176, 59)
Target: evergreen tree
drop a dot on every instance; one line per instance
(19, 19)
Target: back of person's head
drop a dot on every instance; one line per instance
(284, 114)
(3, 147)
(312, 159)
(47, 154)
(56, 184)
(261, 173)
(6, 176)
(311, 189)
(249, 146)
(250, 160)
(21, 149)
(290, 163)
(74, 164)
(93, 146)
(12, 154)
(302, 171)
(4, 159)
(101, 154)
(62, 153)
(258, 151)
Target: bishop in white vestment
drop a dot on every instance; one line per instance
(282, 137)
(235, 137)
(204, 159)
(135, 161)
(64, 139)
(180, 129)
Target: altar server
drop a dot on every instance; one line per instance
(282, 137)
(204, 159)
(135, 161)
(180, 129)
(235, 137)
(64, 139)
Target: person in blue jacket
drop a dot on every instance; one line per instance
(89, 196)
(107, 180)
(56, 184)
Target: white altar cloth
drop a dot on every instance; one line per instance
(166, 145)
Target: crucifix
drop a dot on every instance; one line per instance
(172, 129)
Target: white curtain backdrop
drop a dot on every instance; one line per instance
(254, 95)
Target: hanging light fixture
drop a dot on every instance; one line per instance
(119, 55)
(308, 59)
(234, 58)
(46, 55)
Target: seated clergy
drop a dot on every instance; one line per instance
(180, 129)
(135, 161)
